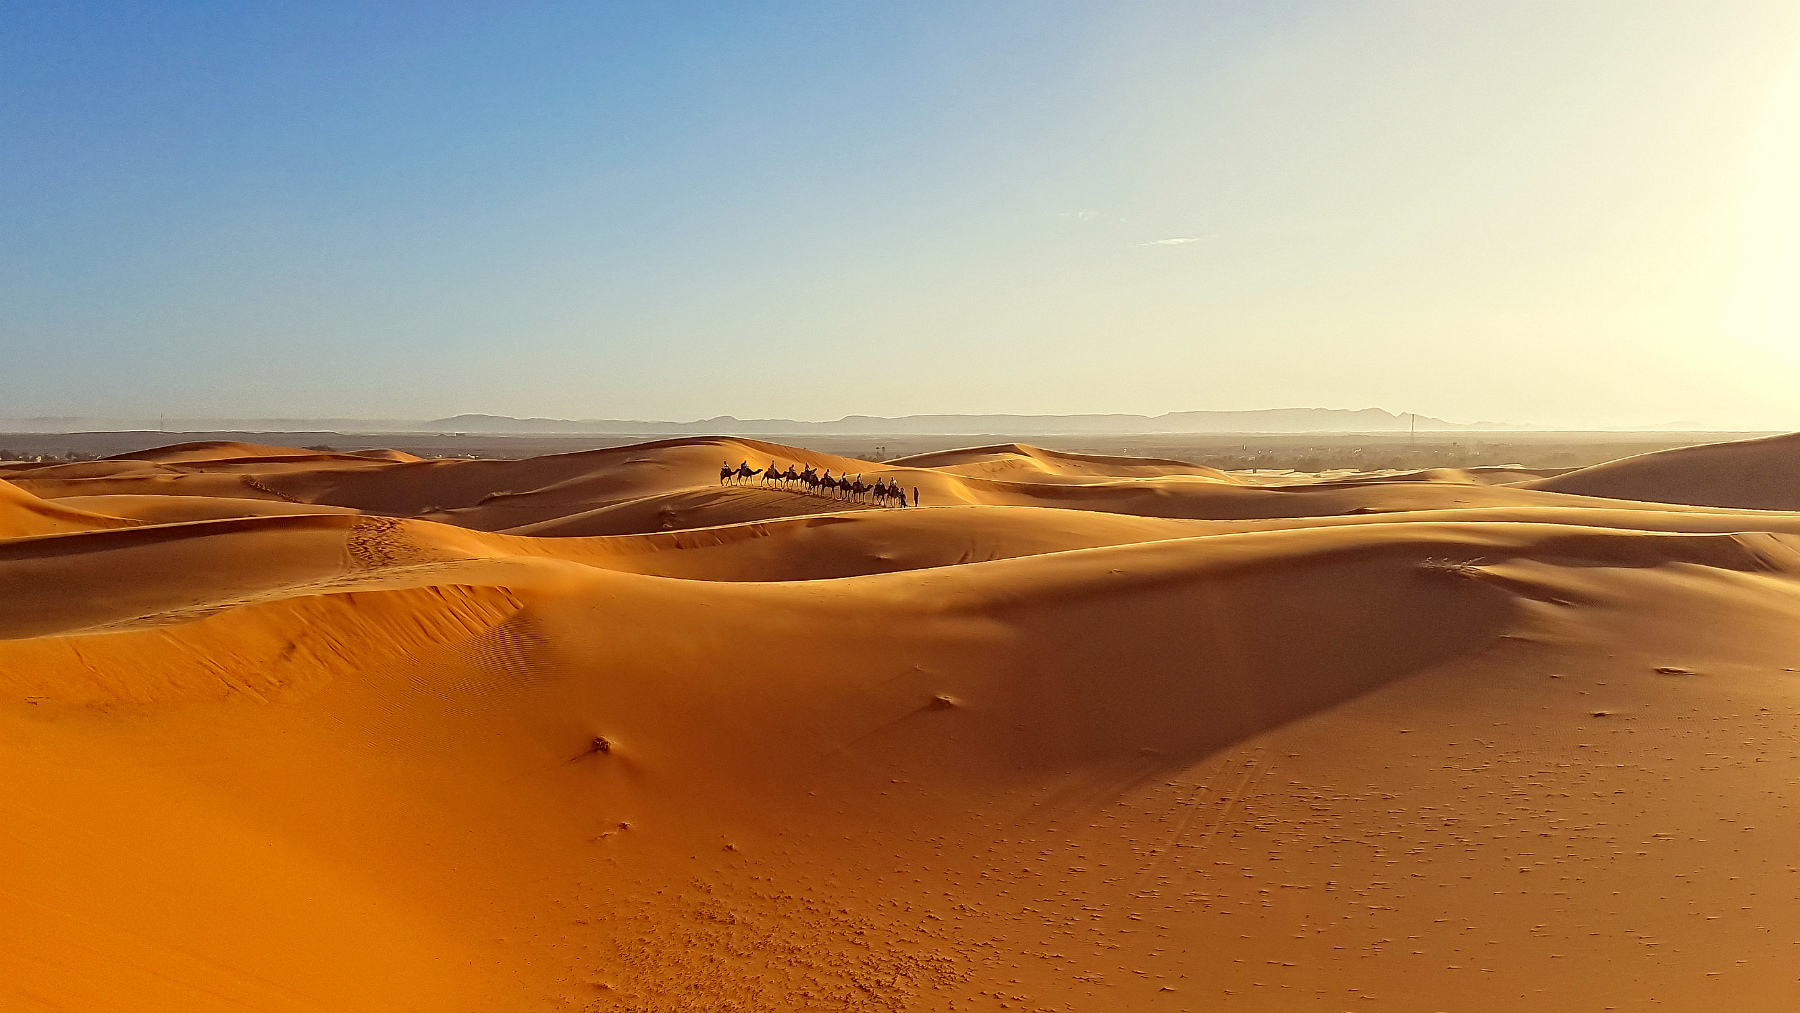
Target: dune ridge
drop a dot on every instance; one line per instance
(1753, 474)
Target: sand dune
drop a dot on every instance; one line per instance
(213, 451)
(21, 513)
(1755, 474)
(1019, 462)
(172, 509)
(597, 732)
(674, 484)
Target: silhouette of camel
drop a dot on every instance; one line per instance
(725, 472)
(744, 472)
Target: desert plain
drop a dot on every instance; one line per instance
(291, 730)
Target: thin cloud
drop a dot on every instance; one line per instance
(1176, 241)
(1082, 215)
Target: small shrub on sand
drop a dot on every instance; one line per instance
(1468, 569)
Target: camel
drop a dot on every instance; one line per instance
(725, 472)
(743, 472)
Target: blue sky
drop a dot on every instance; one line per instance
(1575, 213)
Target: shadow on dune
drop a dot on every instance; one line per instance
(1084, 665)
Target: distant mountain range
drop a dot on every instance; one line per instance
(1268, 420)
(1271, 420)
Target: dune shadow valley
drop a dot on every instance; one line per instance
(296, 730)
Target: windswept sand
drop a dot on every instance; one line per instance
(296, 731)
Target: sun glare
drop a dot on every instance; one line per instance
(1764, 310)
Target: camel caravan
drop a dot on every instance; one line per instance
(852, 490)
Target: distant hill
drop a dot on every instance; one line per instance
(1272, 420)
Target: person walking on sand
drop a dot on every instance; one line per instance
(915, 495)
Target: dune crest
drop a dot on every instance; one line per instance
(1751, 474)
(23, 514)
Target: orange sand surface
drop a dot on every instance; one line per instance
(296, 731)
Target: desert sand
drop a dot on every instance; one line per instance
(295, 731)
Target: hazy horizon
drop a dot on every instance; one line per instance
(654, 427)
(1578, 215)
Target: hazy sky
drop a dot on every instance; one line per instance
(1569, 213)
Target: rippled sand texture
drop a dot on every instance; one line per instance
(289, 731)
